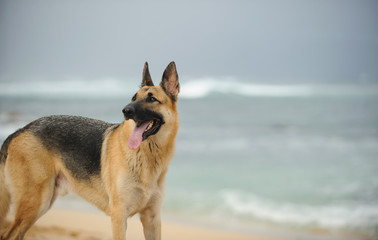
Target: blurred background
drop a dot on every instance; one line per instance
(278, 102)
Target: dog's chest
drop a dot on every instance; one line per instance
(138, 196)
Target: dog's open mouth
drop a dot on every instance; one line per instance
(142, 131)
(151, 129)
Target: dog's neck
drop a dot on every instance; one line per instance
(160, 147)
(150, 161)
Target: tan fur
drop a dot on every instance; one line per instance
(130, 182)
(139, 185)
(29, 176)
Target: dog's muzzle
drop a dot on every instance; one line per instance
(129, 112)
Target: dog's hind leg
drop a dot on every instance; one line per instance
(30, 178)
(29, 207)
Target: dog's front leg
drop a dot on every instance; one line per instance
(119, 221)
(151, 220)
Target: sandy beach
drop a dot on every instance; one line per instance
(60, 224)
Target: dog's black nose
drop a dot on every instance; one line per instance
(128, 111)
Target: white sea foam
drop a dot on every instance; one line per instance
(68, 88)
(204, 87)
(190, 88)
(336, 216)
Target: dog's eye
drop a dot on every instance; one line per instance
(134, 97)
(152, 99)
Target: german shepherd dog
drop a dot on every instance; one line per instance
(120, 168)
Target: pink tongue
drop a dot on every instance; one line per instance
(136, 138)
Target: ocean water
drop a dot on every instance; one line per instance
(298, 158)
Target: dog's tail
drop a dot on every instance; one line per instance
(4, 196)
(4, 193)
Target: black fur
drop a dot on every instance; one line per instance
(136, 111)
(77, 139)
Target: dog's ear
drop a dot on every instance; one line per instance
(147, 80)
(170, 82)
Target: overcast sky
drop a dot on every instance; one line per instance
(278, 41)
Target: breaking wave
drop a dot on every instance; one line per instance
(109, 88)
(340, 216)
(190, 88)
(204, 87)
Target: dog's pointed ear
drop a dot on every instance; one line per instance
(147, 80)
(170, 82)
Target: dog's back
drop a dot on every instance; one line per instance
(77, 140)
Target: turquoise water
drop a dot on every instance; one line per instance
(298, 157)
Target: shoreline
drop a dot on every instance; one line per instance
(80, 225)
(193, 223)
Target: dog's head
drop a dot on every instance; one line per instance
(153, 108)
